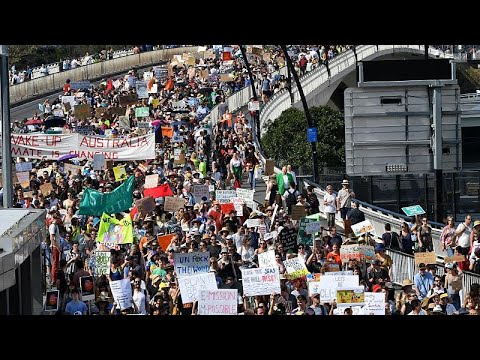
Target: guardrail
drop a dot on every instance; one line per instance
(47, 84)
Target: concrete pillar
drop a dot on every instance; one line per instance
(36, 281)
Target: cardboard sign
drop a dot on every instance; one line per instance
(295, 268)
(269, 167)
(267, 57)
(226, 78)
(178, 156)
(426, 258)
(193, 263)
(224, 196)
(209, 55)
(151, 181)
(173, 203)
(129, 99)
(24, 178)
(99, 162)
(28, 194)
(298, 211)
(450, 259)
(204, 74)
(261, 281)
(117, 111)
(46, 188)
(82, 111)
(190, 286)
(145, 205)
(238, 205)
(67, 107)
(120, 173)
(190, 61)
(267, 259)
(218, 302)
(257, 50)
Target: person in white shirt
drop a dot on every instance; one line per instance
(463, 234)
(330, 203)
(417, 308)
(140, 297)
(289, 170)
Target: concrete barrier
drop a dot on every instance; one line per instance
(50, 83)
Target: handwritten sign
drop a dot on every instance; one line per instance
(288, 238)
(145, 205)
(425, 257)
(374, 303)
(99, 162)
(201, 193)
(363, 227)
(120, 173)
(261, 281)
(151, 181)
(295, 268)
(24, 178)
(190, 286)
(102, 263)
(252, 223)
(122, 293)
(224, 196)
(329, 285)
(173, 203)
(82, 111)
(454, 258)
(141, 111)
(312, 227)
(298, 211)
(267, 259)
(218, 302)
(23, 166)
(238, 205)
(193, 263)
(303, 237)
(46, 188)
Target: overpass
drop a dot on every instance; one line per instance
(48, 84)
(318, 86)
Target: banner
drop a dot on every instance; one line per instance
(102, 263)
(96, 203)
(52, 147)
(295, 268)
(218, 302)
(122, 293)
(115, 231)
(261, 281)
(190, 286)
(191, 263)
(159, 191)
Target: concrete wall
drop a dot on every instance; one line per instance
(47, 84)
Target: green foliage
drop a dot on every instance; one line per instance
(286, 138)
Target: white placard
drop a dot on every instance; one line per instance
(238, 205)
(142, 91)
(363, 227)
(267, 259)
(151, 181)
(218, 302)
(69, 99)
(147, 75)
(23, 166)
(122, 293)
(251, 223)
(153, 89)
(201, 193)
(329, 284)
(374, 303)
(312, 227)
(261, 281)
(295, 268)
(99, 162)
(190, 286)
(191, 263)
(245, 194)
(224, 196)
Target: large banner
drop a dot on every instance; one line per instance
(96, 203)
(218, 302)
(261, 281)
(115, 231)
(192, 263)
(52, 147)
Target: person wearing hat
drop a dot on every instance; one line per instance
(377, 275)
(386, 261)
(102, 302)
(447, 308)
(344, 199)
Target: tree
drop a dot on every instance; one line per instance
(285, 140)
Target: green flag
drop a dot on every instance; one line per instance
(96, 203)
(115, 231)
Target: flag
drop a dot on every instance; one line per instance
(159, 191)
(115, 231)
(96, 203)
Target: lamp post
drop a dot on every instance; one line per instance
(5, 113)
(254, 92)
(305, 108)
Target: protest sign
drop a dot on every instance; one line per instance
(298, 211)
(46, 188)
(115, 231)
(85, 129)
(145, 205)
(115, 110)
(23, 178)
(141, 88)
(70, 100)
(362, 228)
(254, 105)
(190, 286)
(218, 302)
(261, 281)
(58, 113)
(124, 122)
(102, 263)
(141, 111)
(52, 300)
(224, 196)
(425, 257)
(374, 303)
(23, 166)
(178, 156)
(73, 169)
(122, 293)
(130, 99)
(151, 181)
(165, 240)
(303, 237)
(86, 288)
(201, 193)
(450, 259)
(147, 75)
(295, 268)
(252, 223)
(80, 85)
(288, 238)
(351, 296)
(120, 173)
(238, 205)
(245, 194)
(269, 167)
(191, 263)
(173, 203)
(267, 259)
(82, 111)
(312, 227)
(99, 162)
(153, 89)
(329, 284)
(226, 208)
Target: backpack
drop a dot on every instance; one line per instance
(291, 198)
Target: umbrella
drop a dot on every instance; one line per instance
(66, 157)
(33, 122)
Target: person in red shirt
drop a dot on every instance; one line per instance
(66, 87)
(334, 255)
